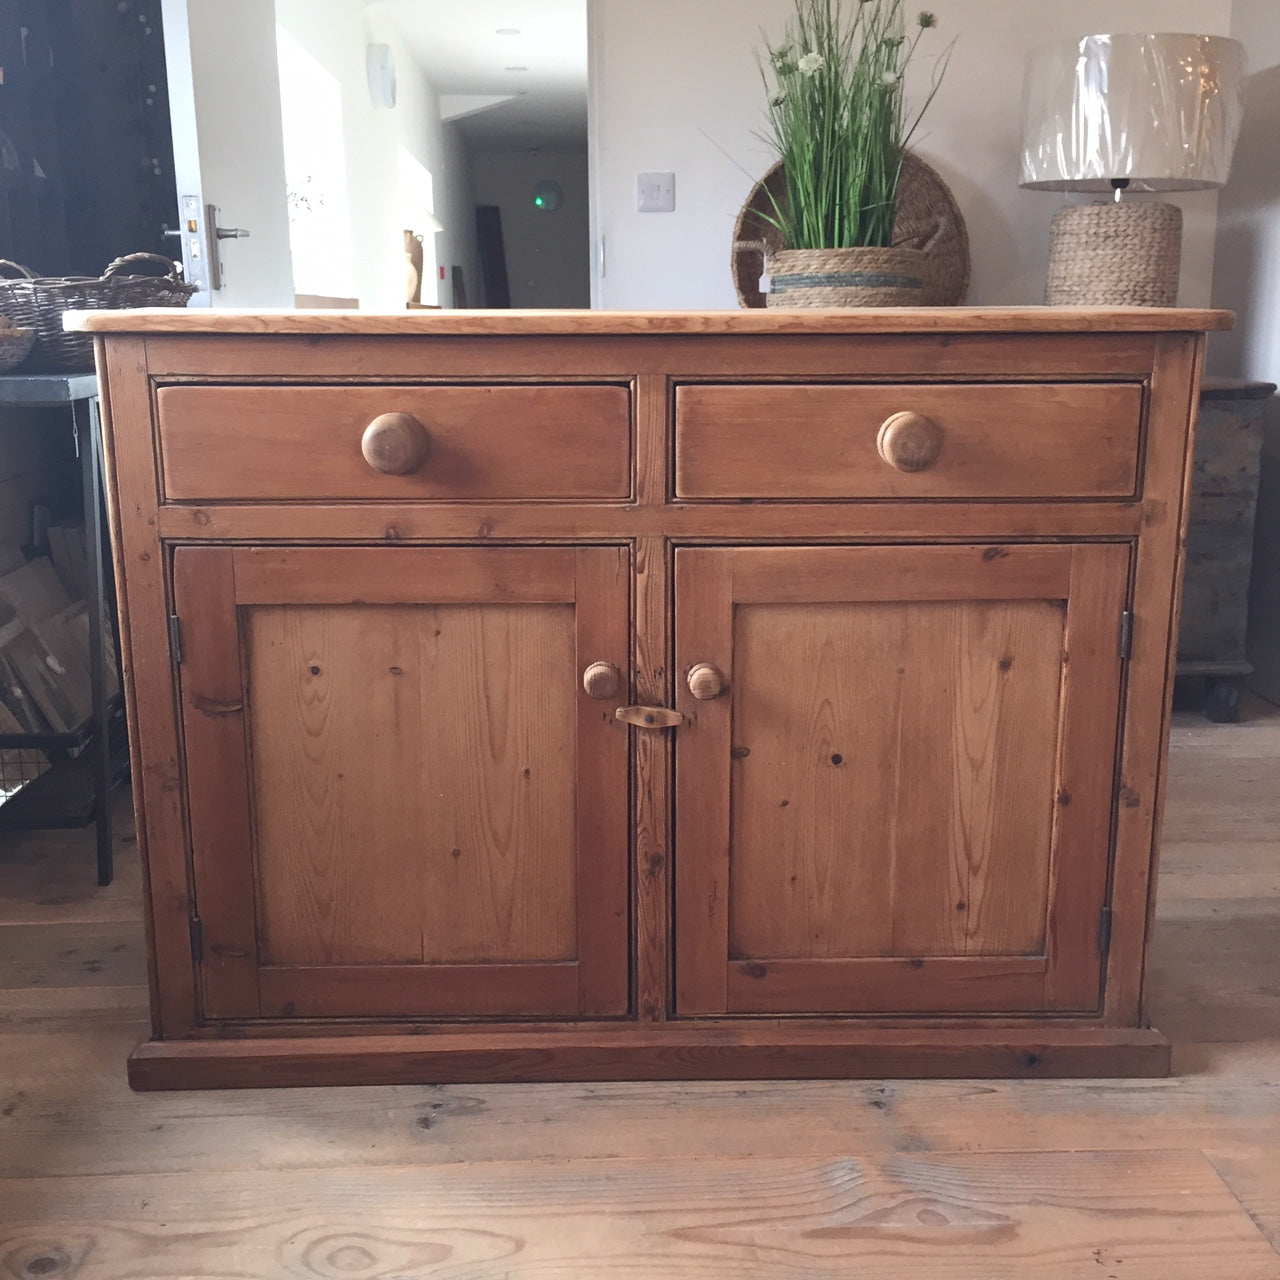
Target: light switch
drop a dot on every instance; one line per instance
(657, 192)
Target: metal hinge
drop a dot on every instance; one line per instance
(1126, 635)
(1104, 931)
(175, 637)
(197, 939)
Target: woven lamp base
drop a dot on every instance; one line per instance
(1115, 254)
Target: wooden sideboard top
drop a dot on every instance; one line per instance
(886, 320)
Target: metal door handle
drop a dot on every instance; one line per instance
(217, 234)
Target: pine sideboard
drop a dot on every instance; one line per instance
(562, 696)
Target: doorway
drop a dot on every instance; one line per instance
(378, 129)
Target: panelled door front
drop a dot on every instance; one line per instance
(402, 801)
(890, 796)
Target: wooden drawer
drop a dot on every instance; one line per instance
(483, 442)
(1012, 440)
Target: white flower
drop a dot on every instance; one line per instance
(889, 78)
(811, 64)
(781, 57)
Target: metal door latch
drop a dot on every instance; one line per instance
(649, 717)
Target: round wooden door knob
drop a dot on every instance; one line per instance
(909, 441)
(395, 444)
(705, 682)
(602, 680)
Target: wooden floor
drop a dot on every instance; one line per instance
(1110, 1180)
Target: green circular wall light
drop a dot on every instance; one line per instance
(548, 196)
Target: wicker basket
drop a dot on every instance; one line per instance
(38, 303)
(927, 218)
(14, 345)
(865, 277)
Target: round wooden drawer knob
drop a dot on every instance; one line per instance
(705, 682)
(909, 441)
(395, 444)
(602, 680)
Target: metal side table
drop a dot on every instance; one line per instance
(78, 394)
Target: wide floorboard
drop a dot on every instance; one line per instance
(967, 1179)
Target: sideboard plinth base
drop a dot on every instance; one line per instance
(672, 1052)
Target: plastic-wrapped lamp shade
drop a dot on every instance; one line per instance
(1160, 111)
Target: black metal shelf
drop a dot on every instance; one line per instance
(67, 794)
(72, 743)
(87, 765)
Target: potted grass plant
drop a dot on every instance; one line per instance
(840, 124)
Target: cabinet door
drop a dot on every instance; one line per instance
(402, 802)
(902, 801)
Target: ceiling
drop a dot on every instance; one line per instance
(458, 44)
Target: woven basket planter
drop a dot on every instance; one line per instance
(866, 277)
(1111, 254)
(927, 217)
(38, 302)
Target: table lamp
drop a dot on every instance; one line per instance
(1126, 113)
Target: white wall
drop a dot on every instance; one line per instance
(336, 33)
(548, 254)
(1247, 281)
(224, 96)
(676, 87)
(1247, 278)
(456, 208)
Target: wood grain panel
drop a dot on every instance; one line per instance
(919, 320)
(1003, 441)
(653, 439)
(942, 984)
(810, 522)
(219, 806)
(896, 780)
(1157, 580)
(714, 357)
(651, 782)
(816, 770)
(143, 603)
(1038, 1049)
(404, 575)
(337, 878)
(817, 575)
(464, 991)
(652, 785)
(1086, 802)
(600, 844)
(530, 442)
(980, 694)
(433, 794)
(932, 715)
(704, 633)
(414, 770)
